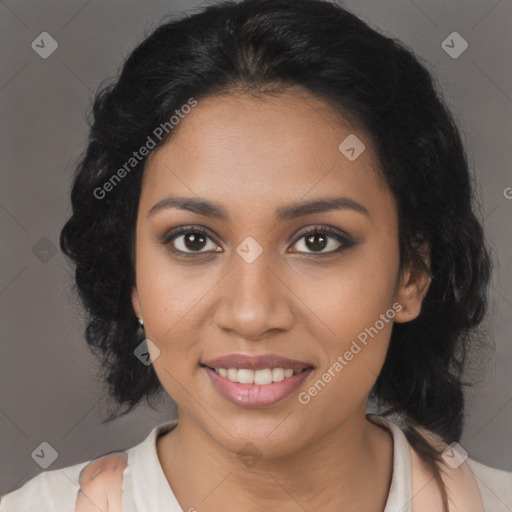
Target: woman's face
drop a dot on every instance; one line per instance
(254, 289)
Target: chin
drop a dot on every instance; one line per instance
(264, 436)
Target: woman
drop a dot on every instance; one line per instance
(273, 223)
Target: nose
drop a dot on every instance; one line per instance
(254, 301)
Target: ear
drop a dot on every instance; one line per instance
(413, 285)
(136, 302)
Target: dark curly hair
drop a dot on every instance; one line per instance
(265, 46)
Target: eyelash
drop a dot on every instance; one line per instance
(344, 240)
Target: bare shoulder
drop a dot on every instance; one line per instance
(101, 484)
(460, 483)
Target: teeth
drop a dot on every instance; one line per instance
(245, 376)
(277, 374)
(258, 377)
(262, 377)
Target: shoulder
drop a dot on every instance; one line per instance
(470, 486)
(82, 488)
(101, 484)
(89, 486)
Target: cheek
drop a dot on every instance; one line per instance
(360, 314)
(169, 317)
(355, 301)
(170, 298)
(351, 294)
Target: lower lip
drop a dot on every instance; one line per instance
(253, 395)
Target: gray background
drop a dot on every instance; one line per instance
(49, 387)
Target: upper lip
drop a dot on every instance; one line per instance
(255, 362)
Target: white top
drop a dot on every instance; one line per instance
(146, 489)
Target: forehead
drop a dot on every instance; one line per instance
(257, 151)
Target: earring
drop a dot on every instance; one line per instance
(141, 333)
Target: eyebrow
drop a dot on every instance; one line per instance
(283, 213)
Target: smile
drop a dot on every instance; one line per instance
(255, 381)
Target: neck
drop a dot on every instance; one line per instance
(349, 467)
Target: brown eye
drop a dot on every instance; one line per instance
(323, 240)
(316, 242)
(189, 241)
(194, 241)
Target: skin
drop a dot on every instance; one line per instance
(253, 155)
(101, 484)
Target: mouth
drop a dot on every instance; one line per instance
(250, 381)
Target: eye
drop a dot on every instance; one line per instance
(193, 240)
(190, 240)
(321, 237)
